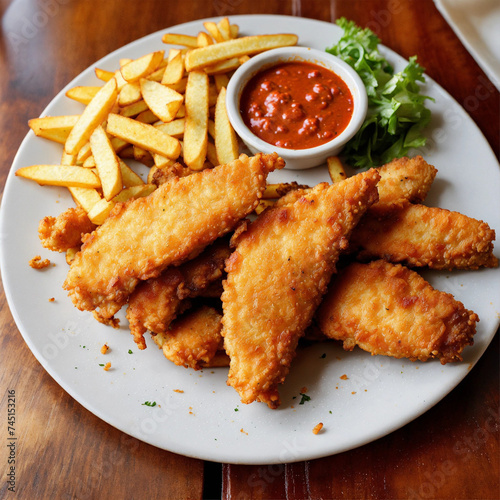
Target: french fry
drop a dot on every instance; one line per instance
(101, 210)
(174, 128)
(212, 154)
(212, 54)
(89, 162)
(224, 28)
(174, 70)
(120, 81)
(226, 142)
(204, 39)
(127, 152)
(130, 93)
(60, 175)
(71, 254)
(263, 204)
(106, 162)
(161, 100)
(143, 135)
(142, 67)
(212, 28)
(177, 39)
(180, 86)
(129, 177)
(134, 192)
(160, 162)
(335, 169)
(182, 111)
(223, 66)
(221, 80)
(196, 129)
(83, 94)
(134, 109)
(147, 117)
(143, 156)
(277, 190)
(94, 114)
(103, 74)
(54, 128)
(67, 159)
(83, 154)
(85, 197)
(211, 128)
(118, 144)
(235, 29)
(156, 76)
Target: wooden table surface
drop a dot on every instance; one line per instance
(64, 451)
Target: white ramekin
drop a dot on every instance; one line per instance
(296, 159)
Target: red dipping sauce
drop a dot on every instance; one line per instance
(296, 105)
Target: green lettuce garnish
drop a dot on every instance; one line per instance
(396, 109)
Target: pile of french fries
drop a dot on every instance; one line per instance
(162, 108)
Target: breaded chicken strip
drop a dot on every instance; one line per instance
(388, 309)
(155, 303)
(194, 340)
(65, 231)
(419, 236)
(403, 180)
(276, 277)
(142, 237)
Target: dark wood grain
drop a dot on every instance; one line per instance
(64, 451)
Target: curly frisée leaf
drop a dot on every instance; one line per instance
(396, 109)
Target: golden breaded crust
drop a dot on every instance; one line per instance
(156, 302)
(65, 231)
(144, 236)
(418, 236)
(276, 277)
(194, 340)
(403, 180)
(388, 309)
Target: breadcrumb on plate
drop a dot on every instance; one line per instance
(317, 428)
(37, 262)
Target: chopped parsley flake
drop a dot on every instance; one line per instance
(305, 398)
(130, 351)
(149, 403)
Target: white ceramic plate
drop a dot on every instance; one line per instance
(207, 420)
(476, 23)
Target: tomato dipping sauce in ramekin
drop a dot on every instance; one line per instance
(296, 105)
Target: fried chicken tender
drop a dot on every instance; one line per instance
(155, 303)
(403, 180)
(144, 236)
(194, 340)
(418, 236)
(160, 175)
(65, 231)
(277, 275)
(388, 309)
